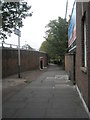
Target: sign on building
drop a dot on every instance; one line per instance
(72, 29)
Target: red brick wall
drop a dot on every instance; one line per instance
(69, 66)
(29, 60)
(0, 64)
(81, 77)
(66, 63)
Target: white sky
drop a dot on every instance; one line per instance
(34, 27)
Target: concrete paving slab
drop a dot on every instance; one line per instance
(30, 113)
(51, 95)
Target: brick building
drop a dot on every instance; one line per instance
(77, 62)
(83, 50)
(70, 58)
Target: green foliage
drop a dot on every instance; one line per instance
(46, 47)
(28, 47)
(13, 14)
(56, 43)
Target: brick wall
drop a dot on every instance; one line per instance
(81, 77)
(0, 64)
(29, 60)
(69, 66)
(88, 55)
(66, 63)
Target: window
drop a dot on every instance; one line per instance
(84, 45)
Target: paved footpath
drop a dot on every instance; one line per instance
(51, 95)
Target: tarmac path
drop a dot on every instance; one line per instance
(50, 95)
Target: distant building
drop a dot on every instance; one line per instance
(77, 61)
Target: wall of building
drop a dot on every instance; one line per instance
(69, 66)
(29, 60)
(88, 55)
(81, 76)
(66, 63)
(0, 64)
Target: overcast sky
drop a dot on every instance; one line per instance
(34, 27)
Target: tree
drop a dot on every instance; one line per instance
(57, 38)
(28, 47)
(13, 14)
(46, 47)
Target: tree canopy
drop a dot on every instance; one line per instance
(12, 14)
(56, 39)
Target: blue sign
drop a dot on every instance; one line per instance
(72, 27)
